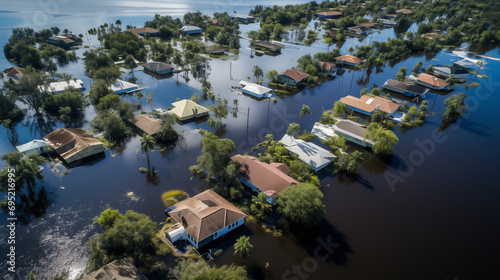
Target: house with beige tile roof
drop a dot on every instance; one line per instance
(186, 110)
(349, 60)
(268, 178)
(430, 81)
(203, 218)
(366, 105)
(147, 124)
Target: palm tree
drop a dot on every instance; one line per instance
(140, 95)
(150, 101)
(480, 63)
(401, 75)
(148, 143)
(243, 246)
(450, 80)
(257, 72)
(293, 129)
(305, 110)
(350, 50)
(130, 64)
(260, 206)
(51, 67)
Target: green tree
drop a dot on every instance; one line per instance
(301, 204)
(33, 90)
(450, 80)
(401, 75)
(242, 246)
(150, 100)
(140, 95)
(293, 129)
(349, 163)
(340, 108)
(336, 143)
(429, 70)
(148, 143)
(188, 269)
(112, 125)
(455, 107)
(257, 72)
(305, 110)
(211, 122)
(27, 170)
(108, 74)
(271, 75)
(416, 69)
(260, 206)
(130, 64)
(385, 140)
(98, 90)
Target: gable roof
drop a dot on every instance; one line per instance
(77, 139)
(157, 66)
(450, 71)
(14, 73)
(326, 65)
(311, 154)
(431, 80)
(124, 86)
(147, 124)
(369, 104)
(267, 45)
(205, 214)
(121, 269)
(256, 89)
(406, 86)
(349, 58)
(190, 28)
(269, 178)
(143, 30)
(186, 108)
(296, 74)
(403, 11)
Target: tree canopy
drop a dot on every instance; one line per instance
(301, 204)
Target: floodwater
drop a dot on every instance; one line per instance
(429, 212)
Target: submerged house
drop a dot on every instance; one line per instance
(203, 218)
(186, 110)
(430, 81)
(293, 77)
(147, 124)
(191, 30)
(403, 12)
(60, 87)
(458, 73)
(144, 30)
(328, 68)
(406, 89)
(121, 269)
(159, 68)
(35, 147)
(313, 155)
(351, 131)
(255, 90)
(242, 18)
(275, 48)
(73, 144)
(14, 74)
(65, 40)
(359, 29)
(349, 60)
(270, 179)
(329, 15)
(121, 86)
(366, 105)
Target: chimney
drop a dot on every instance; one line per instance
(378, 105)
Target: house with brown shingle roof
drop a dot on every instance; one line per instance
(270, 179)
(366, 105)
(328, 67)
(147, 124)
(122, 269)
(142, 31)
(349, 60)
(329, 15)
(203, 218)
(14, 74)
(73, 144)
(293, 77)
(430, 81)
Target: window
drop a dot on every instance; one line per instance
(215, 234)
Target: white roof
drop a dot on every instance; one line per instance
(57, 87)
(241, 16)
(464, 63)
(311, 154)
(323, 131)
(186, 109)
(257, 90)
(123, 86)
(31, 145)
(189, 28)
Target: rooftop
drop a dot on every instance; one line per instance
(31, 145)
(270, 178)
(369, 104)
(403, 11)
(186, 108)
(296, 74)
(256, 89)
(56, 87)
(147, 124)
(406, 86)
(349, 58)
(431, 80)
(331, 13)
(311, 154)
(77, 139)
(204, 214)
(143, 30)
(190, 28)
(157, 66)
(267, 45)
(121, 269)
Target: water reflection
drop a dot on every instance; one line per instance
(33, 204)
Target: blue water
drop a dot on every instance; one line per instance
(440, 221)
